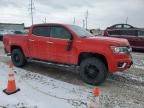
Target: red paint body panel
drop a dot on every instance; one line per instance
(54, 49)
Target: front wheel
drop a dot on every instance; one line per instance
(18, 58)
(93, 71)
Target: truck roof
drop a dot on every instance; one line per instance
(50, 24)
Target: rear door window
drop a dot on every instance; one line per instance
(127, 26)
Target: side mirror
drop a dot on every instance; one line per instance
(70, 41)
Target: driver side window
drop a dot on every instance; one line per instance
(118, 26)
(59, 32)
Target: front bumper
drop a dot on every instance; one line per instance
(120, 63)
(124, 65)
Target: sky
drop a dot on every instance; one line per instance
(101, 13)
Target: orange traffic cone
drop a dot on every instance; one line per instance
(95, 103)
(11, 65)
(96, 94)
(11, 87)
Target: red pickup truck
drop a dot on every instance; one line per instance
(70, 45)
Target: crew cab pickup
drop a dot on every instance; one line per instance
(70, 45)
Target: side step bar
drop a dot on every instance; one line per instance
(56, 65)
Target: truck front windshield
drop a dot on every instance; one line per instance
(80, 31)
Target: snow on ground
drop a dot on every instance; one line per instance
(138, 60)
(38, 91)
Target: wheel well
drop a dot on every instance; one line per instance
(83, 56)
(16, 47)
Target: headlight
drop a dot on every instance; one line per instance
(121, 50)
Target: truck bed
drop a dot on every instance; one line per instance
(16, 39)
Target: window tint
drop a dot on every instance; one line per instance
(114, 32)
(41, 31)
(118, 26)
(59, 32)
(127, 26)
(141, 33)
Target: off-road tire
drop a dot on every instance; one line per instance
(18, 58)
(98, 72)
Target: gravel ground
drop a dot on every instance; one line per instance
(117, 91)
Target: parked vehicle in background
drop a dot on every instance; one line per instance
(3, 32)
(25, 31)
(96, 32)
(134, 35)
(70, 45)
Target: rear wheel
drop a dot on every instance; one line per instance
(18, 58)
(93, 71)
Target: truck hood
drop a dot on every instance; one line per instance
(110, 40)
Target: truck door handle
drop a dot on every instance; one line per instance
(31, 40)
(49, 42)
